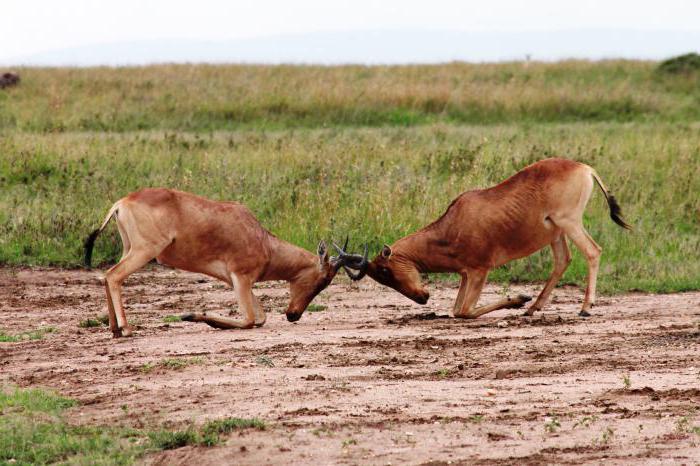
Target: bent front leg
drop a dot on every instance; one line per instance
(242, 286)
(260, 316)
(475, 284)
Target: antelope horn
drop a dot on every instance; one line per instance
(351, 261)
(361, 266)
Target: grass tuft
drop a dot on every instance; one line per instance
(32, 335)
(211, 431)
(316, 308)
(167, 440)
(89, 323)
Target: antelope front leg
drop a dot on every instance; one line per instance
(475, 284)
(260, 316)
(460, 295)
(243, 287)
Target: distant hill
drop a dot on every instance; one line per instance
(382, 47)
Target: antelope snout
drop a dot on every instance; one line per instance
(422, 298)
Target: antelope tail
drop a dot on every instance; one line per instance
(90, 240)
(615, 210)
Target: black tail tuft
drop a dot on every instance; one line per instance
(616, 212)
(89, 244)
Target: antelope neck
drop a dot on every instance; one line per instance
(287, 261)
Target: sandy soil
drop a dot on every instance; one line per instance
(374, 378)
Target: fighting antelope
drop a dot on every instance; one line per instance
(541, 205)
(220, 239)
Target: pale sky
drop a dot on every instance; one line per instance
(32, 26)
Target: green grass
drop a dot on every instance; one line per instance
(33, 400)
(180, 363)
(172, 319)
(94, 322)
(316, 308)
(171, 363)
(208, 435)
(212, 430)
(167, 440)
(443, 373)
(231, 97)
(264, 361)
(32, 335)
(373, 152)
(33, 430)
(374, 184)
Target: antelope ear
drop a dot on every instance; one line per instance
(386, 251)
(322, 252)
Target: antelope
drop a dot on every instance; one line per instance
(220, 239)
(541, 205)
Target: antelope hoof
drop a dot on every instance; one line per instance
(584, 313)
(518, 302)
(531, 311)
(127, 331)
(190, 317)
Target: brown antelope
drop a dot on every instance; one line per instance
(541, 205)
(220, 239)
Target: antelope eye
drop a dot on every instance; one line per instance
(384, 270)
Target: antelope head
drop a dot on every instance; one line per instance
(315, 279)
(392, 269)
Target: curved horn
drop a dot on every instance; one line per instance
(360, 266)
(339, 260)
(351, 261)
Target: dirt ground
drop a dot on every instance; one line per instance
(373, 378)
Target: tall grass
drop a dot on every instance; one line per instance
(374, 184)
(205, 98)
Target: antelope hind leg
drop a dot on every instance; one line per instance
(562, 259)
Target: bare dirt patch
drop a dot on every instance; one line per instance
(373, 378)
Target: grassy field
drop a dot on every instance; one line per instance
(206, 98)
(322, 152)
(33, 430)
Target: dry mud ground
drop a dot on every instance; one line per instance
(367, 381)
